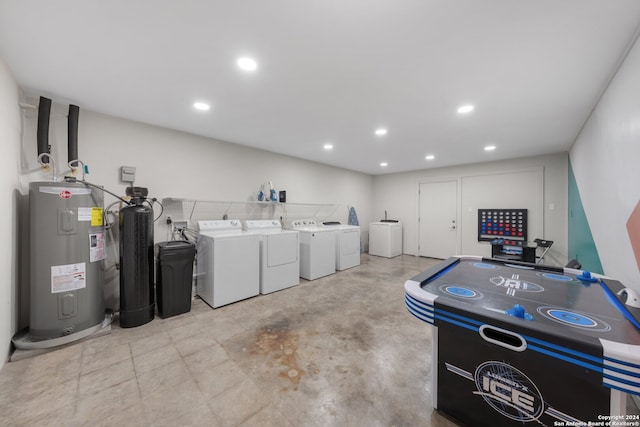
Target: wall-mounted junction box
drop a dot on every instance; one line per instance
(127, 174)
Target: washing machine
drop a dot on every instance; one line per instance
(317, 249)
(347, 244)
(385, 238)
(228, 267)
(279, 254)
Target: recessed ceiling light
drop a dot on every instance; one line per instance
(430, 157)
(202, 106)
(489, 148)
(247, 64)
(381, 131)
(465, 109)
(328, 147)
(383, 164)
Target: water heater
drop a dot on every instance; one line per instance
(67, 249)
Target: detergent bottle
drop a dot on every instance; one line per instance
(261, 193)
(273, 195)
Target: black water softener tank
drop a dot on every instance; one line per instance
(136, 260)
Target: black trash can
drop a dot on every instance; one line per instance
(174, 273)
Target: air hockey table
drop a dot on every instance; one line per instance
(516, 344)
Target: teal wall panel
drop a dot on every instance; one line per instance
(581, 245)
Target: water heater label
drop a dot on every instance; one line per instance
(97, 246)
(93, 214)
(84, 214)
(96, 217)
(68, 277)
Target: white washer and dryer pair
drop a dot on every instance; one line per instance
(228, 263)
(317, 249)
(279, 254)
(347, 244)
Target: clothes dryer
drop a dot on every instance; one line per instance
(385, 238)
(347, 244)
(317, 249)
(228, 268)
(279, 255)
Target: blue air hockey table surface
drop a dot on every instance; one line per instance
(518, 343)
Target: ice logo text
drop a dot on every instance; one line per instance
(509, 391)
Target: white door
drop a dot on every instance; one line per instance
(438, 223)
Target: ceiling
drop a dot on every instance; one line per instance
(332, 71)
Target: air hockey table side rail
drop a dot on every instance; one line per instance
(618, 362)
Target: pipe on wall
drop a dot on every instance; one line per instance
(44, 111)
(72, 138)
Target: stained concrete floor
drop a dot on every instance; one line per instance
(337, 351)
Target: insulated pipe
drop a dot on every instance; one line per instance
(44, 110)
(72, 147)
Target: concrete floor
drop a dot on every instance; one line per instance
(337, 351)
(340, 351)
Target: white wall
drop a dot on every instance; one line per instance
(10, 136)
(398, 194)
(605, 160)
(179, 165)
